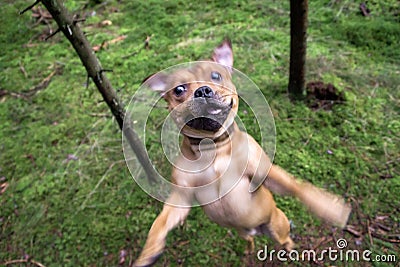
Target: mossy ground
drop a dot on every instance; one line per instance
(67, 198)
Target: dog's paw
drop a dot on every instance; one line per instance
(289, 245)
(248, 252)
(250, 246)
(144, 262)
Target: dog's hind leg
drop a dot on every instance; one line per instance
(250, 242)
(278, 229)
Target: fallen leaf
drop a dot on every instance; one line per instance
(122, 256)
(3, 187)
(97, 48)
(106, 23)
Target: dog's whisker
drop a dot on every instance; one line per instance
(228, 95)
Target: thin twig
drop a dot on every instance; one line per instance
(369, 234)
(79, 20)
(100, 115)
(29, 7)
(146, 45)
(352, 230)
(320, 241)
(21, 67)
(106, 70)
(385, 239)
(23, 261)
(42, 85)
(298, 119)
(83, 206)
(51, 35)
(41, 16)
(308, 140)
(87, 81)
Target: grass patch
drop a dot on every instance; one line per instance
(69, 199)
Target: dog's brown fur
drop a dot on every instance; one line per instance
(230, 167)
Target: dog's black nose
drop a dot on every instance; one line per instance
(204, 91)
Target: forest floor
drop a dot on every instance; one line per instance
(66, 195)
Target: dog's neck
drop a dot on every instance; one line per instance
(194, 141)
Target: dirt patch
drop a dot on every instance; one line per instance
(323, 95)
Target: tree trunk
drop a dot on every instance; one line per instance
(298, 45)
(74, 34)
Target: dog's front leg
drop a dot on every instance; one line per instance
(168, 219)
(327, 206)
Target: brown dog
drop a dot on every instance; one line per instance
(220, 166)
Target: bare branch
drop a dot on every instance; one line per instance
(70, 28)
(30, 7)
(51, 35)
(106, 70)
(87, 81)
(79, 20)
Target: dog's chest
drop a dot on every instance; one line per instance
(223, 190)
(234, 208)
(221, 182)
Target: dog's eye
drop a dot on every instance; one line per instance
(216, 76)
(179, 90)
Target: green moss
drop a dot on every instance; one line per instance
(70, 199)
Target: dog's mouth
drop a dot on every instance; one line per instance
(208, 114)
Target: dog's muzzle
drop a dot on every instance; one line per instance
(207, 111)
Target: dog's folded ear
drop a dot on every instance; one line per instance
(157, 82)
(223, 54)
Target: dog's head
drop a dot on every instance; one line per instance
(201, 98)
